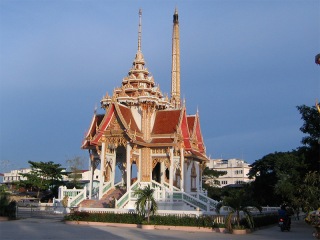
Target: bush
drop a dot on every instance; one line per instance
(7, 207)
(219, 225)
(260, 220)
(105, 217)
(170, 220)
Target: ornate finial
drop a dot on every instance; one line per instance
(317, 59)
(175, 16)
(139, 30)
(95, 109)
(318, 105)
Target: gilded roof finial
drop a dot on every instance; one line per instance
(139, 30)
(175, 16)
(95, 109)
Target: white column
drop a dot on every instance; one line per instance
(182, 169)
(113, 172)
(91, 177)
(171, 170)
(111, 159)
(198, 178)
(102, 163)
(128, 168)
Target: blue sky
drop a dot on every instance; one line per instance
(245, 65)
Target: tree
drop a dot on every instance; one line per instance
(146, 203)
(311, 141)
(43, 176)
(309, 191)
(278, 176)
(211, 184)
(275, 177)
(210, 176)
(239, 200)
(75, 166)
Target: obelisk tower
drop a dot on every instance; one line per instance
(175, 72)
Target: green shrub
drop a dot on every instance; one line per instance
(265, 220)
(105, 217)
(7, 207)
(260, 220)
(170, 220)
(219, 225)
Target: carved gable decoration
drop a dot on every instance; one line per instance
(114, 124)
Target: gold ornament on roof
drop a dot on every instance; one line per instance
(318, 106)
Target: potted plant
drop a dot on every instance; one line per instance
(238, 202)
(220, 227)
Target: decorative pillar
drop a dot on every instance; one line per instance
(102, 164)
(128, 166)
(91, 177)
(171, 170)
(182, 169)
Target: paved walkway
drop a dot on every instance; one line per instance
(40, 229)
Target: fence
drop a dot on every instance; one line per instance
(48, 211)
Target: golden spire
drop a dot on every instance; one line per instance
(175, 72)
(139, 30)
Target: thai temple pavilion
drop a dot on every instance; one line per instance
(149, 137)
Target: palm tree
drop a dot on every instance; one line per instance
(145, 203)
(239, 201)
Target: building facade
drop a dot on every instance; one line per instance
(236, 171)
(15, 175)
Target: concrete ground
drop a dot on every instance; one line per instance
(40, 229)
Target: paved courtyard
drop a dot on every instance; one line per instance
(40, 229)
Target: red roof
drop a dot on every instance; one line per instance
(185, 131)
(104, 124)
(162, 140)
(96, 120)
(166, 122)
(191, 120)
(128, 118)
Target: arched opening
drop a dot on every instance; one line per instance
(156, 173)
(121, 163)
(167, 175)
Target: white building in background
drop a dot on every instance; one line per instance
(236, 170)
(16, 175)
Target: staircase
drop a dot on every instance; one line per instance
(107, 201)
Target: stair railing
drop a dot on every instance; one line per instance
(127, 196)
(212, 204)
(187, 198)
(75, 200)
(106, 187)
